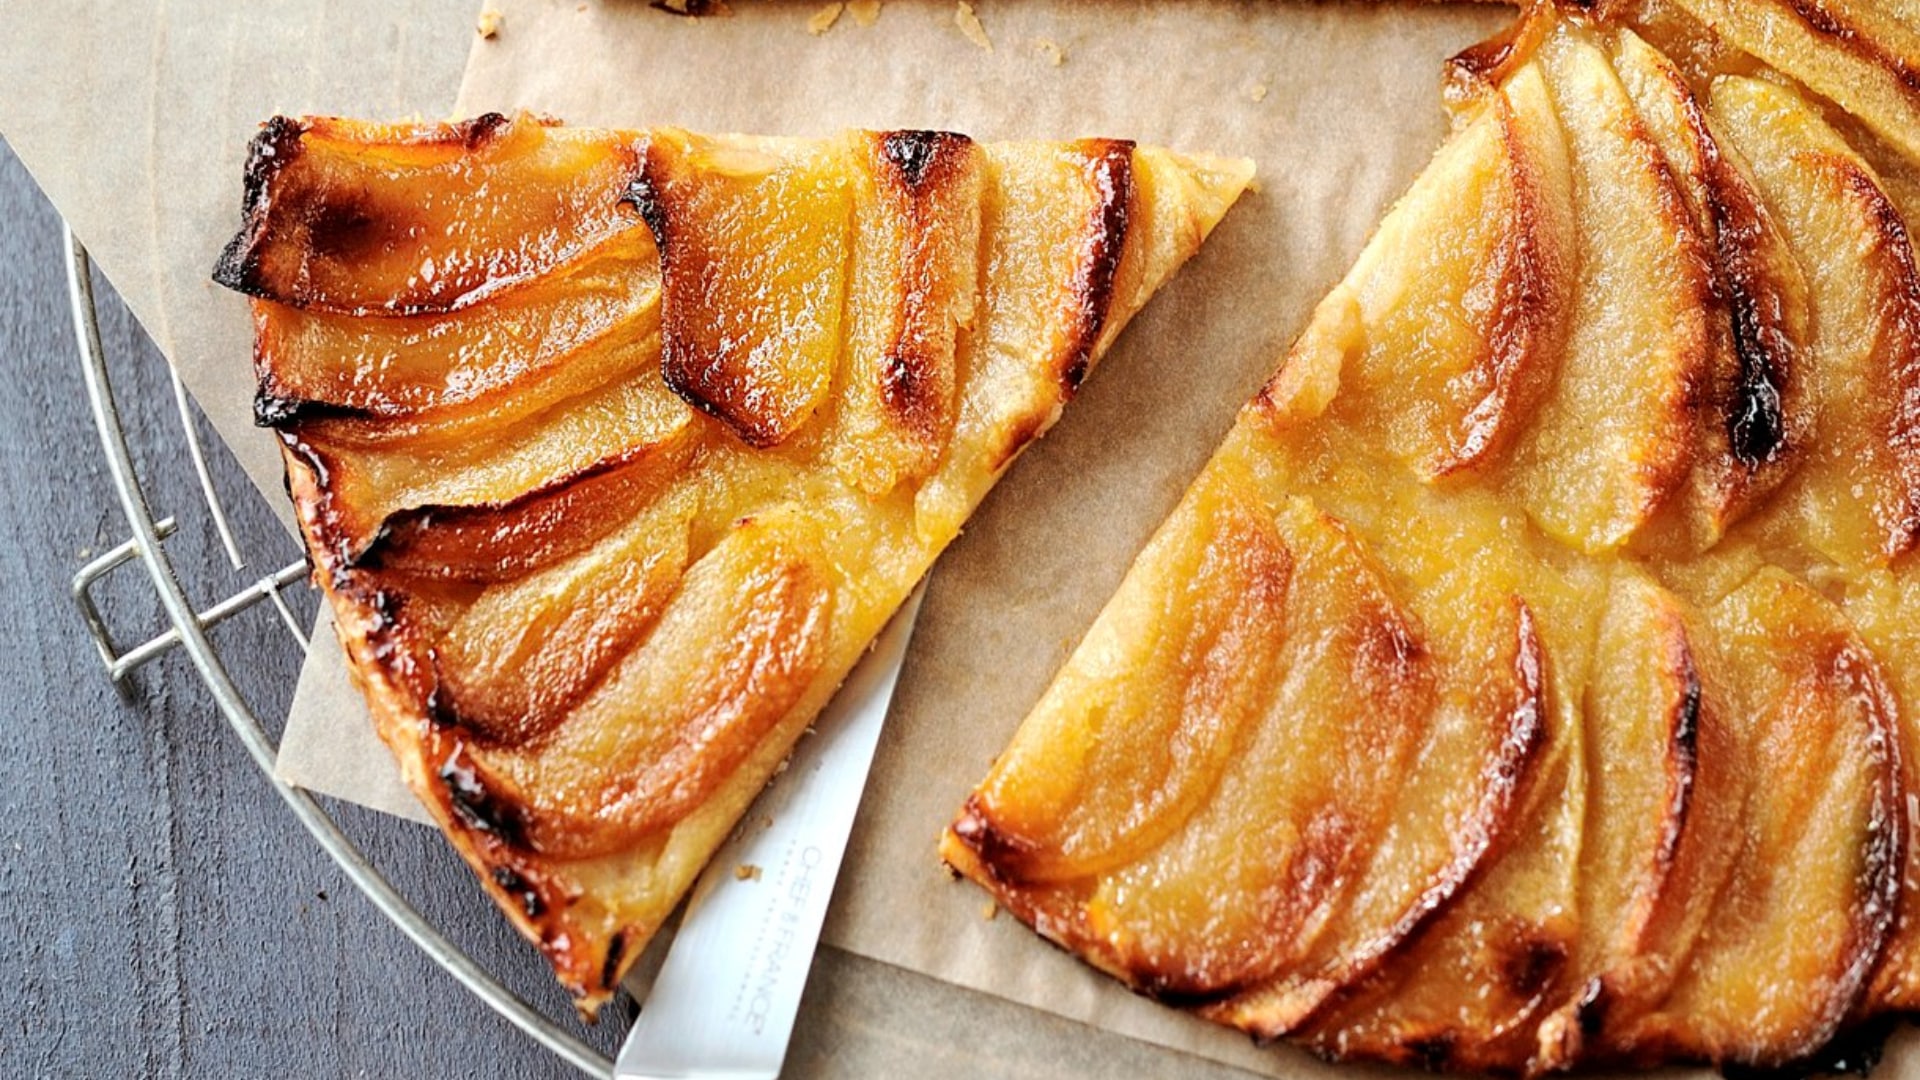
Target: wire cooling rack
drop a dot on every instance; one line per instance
(188, 633)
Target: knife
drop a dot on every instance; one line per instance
(724, 1001)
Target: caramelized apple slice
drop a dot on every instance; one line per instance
(1753, 414)
(1469, 989)
(1664, 796)
(1863, 57)
(1136, 732)
(1464, 291)
(1885, 605)
(526, 650)
(752, 237)
(1612, 440)
(1796, 932)
(1138, 212)
(491, 542)
(914, 289)
(493, 362)
(1205, 760)
(354, 217)
(671, 719)
(512, 489)
(1857, 499)
(1457, 804)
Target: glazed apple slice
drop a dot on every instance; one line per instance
(383, 496)
(1612, 441)
(1798, 929)
(354, 217)
(1464, 292)
(1664, 797)
(493, 362)
(1180, 724)
(912, 293)
(1467, 992)
(751, 236)
(1856, 500)
(1863, 55)
(1753, 416)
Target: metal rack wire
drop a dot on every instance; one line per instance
(188, 632)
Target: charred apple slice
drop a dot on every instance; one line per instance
(1753, 417)
(1856, 499)
(1610, 444)
(1862, 54)
(613, 450)
(1797, 930)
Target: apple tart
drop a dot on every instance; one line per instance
(613, 450)
(1530, 678)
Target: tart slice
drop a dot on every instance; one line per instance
(1529, 680)
(613, 450)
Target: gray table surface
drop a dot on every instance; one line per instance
(161, 914)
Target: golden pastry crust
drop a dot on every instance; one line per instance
(1631, 370)
(613, 450)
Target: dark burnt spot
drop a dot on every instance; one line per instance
(481, 130)
(511, 880)
(271, 410)
(692, 9)
(1756, 421)
(616, 948)
(340, 227)
(1529, 964)
(643, 194)
(1001, 853)
(922, 155)
(1590, 1012)
(1109, 174)
(1183, 991)
(477, 806)
(1434, 1051)
(277, 144)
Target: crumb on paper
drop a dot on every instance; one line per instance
(1051, 51)
(823, 19)
(969, 24)
(1256, 92)
(488, 25)
(766, 821)
(864, 12)
(990, 911)
(746, 872)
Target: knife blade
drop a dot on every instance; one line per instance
(725, 999)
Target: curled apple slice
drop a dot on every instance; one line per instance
(1754, 416)
(1454, 806)
(671, 719)
(1464, 293)
(1856, 500)
(1863, 56)
(752, 235)
(1799, 927)
(530, 469)
(498, 360)
(916, 260)
(1664, 797)
(1612, 440)
(361, 218)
